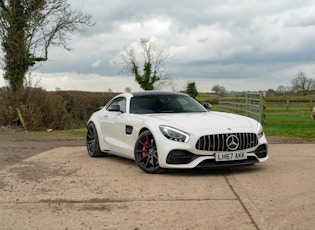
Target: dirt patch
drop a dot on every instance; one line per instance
(289, 140)
(39, 171)
(15, 147)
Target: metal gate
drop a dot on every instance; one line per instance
(252, 105)
(255, 106)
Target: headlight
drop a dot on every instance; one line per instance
(260, 131)
(174, 134)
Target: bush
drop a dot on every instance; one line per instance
(51, 110)
(80, 105)
(208, 97)
(7, 111)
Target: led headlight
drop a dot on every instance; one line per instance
(260, 131)
(174, 134)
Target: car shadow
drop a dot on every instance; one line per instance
(215, 171)
(253, 168)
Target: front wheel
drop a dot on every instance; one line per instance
(92, 142)
(146, 155)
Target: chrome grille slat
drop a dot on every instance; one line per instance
(245, 137)
(209, 138)
(217, 142)
(224, 136)
(250, 141)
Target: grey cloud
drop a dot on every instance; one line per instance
(208, 39)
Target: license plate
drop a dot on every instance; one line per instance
(230, 156)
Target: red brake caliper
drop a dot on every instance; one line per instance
(144, 149)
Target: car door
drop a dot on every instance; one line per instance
(112, 125)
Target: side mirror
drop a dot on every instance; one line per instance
(207, 105)
(114, 108)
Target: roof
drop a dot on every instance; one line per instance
(153, 92)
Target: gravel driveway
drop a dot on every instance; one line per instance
(51, 183)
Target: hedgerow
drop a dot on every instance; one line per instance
(57, 110)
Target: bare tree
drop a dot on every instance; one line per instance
(301, 83)
(219, 89)
(154, 75)
(29, 28)
(281, 90)
(128, 89)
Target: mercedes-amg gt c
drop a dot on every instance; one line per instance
(166, 130)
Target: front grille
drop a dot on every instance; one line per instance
(218, 142)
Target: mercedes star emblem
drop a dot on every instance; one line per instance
(232, 142)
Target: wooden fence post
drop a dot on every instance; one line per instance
(263, 109)
(21, 118)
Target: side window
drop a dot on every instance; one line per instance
(121, 101)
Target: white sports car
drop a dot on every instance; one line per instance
(166, 130)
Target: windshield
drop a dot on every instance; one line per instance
(164, 104)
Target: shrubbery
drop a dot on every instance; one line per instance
(51, 110)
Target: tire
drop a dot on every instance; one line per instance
(92, 142)
(145, 153)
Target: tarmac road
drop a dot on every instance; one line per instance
(65, 189)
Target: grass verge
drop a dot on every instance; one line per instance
(299, 130)
(74, 132)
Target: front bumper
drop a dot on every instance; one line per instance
(196, 154)
(184, 157)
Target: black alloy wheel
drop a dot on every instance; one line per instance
(92, 142)
(146, 155)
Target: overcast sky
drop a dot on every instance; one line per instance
(241, 45)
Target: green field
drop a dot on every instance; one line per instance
(292, 130)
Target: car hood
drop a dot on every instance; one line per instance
(208, 121)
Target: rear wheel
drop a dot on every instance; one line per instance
(92, 142)
(146, 155)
